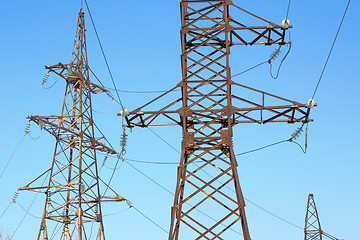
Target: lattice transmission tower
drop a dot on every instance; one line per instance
(73, 197)
(312, 228)
(207, 111)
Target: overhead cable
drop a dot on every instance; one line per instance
(168, 191)
(288, 140)
(27, 210)
(17, 122)
(153, 222)
(103, 53)
(332, 46)
(12, 155)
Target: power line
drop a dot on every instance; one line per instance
(32, 215)
(288, 9)
(227, 186)
(258, 149)
(168, 191)
(5, 210)
(150, 220)
(103, 53)
(164, 140)
(332, 46)
(27, 211)
(16, 124)
(12, 155)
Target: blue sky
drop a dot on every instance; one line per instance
(142, 44)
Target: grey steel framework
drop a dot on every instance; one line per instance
(208, 110)
(73, 191)
(312, 228)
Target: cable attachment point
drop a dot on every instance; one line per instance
(310, 103)
(285, 23)
(129, 203)
(45, 78)
(296, 134)
(109, 94)
(124, 112)
(123, 142)
(15, 196)
(27, 128)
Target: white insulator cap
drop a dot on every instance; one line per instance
(285, 23)
(124, 112)
(310, 103)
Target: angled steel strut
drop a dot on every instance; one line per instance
(73, 191)
(207, 111)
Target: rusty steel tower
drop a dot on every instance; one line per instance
(207, 111)
(312, 228)
(73, 197)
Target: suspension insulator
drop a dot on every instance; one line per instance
(15, 196)
(123, 142)
(45, 79)
(297, 133)
(48, 197)
(275, 54)
(27, 128)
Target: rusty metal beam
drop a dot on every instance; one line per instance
(208, 110)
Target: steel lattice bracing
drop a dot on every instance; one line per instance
(312, 228)
(207, 110)
(73, 191)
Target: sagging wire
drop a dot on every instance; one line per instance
(109, 111)
(113, 103)
(45, 80)
(296, 134)
(116, 213)
(27, 130)
(275, 54)
(286, 140)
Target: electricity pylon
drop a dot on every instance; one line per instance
(73, 191)
(207, 111)
(312, 228)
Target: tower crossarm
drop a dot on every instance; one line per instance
(65, 71)
(62, 127)
(263, 108)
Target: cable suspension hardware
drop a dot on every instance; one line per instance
(27, 128)
(45, 78)
(15, 196)
(123, 142)
(275, 54)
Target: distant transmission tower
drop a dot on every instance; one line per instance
(207, 111)
(73, 197)
(313, 229)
